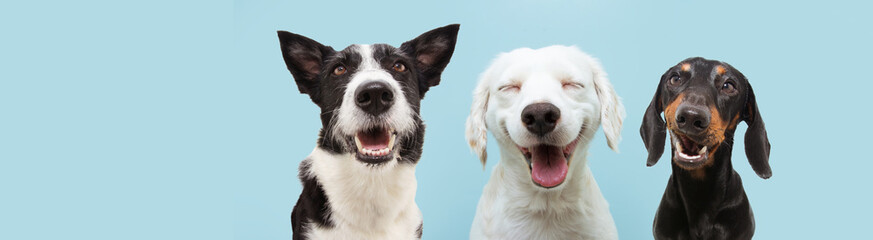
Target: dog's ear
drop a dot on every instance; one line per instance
(611, 110)
(654, 129)
(477, 129)
(757, 143)
(304, 57)
(432, 52)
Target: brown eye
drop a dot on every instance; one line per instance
(399, 67)
(728, 87)
(339, 70)
(675, 80)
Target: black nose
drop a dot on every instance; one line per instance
(692, 119)
(374, 97)
(540, 118)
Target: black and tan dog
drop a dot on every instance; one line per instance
(703, 101)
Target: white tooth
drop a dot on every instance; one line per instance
(702, 150)
(391, 141)
(683, 155)
(678, 146)
(358, 144)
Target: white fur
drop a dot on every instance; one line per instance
(351, 119)
(366, 202)
(511, 206)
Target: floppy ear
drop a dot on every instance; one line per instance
(757, 143)
(654, 129)
(477, 130)
(432, 52)
(304, 57)
(611, 110)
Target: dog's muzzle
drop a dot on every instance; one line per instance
(692, 121)
(375, 143)
(548, 163)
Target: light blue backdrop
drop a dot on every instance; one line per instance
(170, 120)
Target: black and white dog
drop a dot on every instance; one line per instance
(359, 182)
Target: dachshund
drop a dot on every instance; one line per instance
(703, 101)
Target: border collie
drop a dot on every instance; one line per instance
(359, 182)
(543, 106)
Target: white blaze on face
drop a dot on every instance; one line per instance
(351, 120)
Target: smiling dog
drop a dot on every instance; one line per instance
(359, 182)
(703, 101)
(543, 106)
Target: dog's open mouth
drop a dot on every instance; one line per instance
(549, 164)
(375, 145)
(688, 152)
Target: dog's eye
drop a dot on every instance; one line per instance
(512, 88)
(572, 85)
(399, 67)
(339, 70)
(675, 79)
(728, 87)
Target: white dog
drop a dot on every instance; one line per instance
(543, 106)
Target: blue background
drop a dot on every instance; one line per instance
(178, 120)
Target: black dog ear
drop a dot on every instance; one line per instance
(757, 143)
(432, 52)
(304, 58)
(654, 129)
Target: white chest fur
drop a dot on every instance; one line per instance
(366, 202)
(512, 208)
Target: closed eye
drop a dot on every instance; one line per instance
(509, 88)
(571, 85)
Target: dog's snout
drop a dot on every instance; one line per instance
(692, 119)
(374, 97)
(540, 118)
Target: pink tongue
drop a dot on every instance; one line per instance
(549, 167)
(374, 140)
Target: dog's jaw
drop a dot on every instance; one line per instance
(688, 153)
(548, 165)
(521, 159)
(375, 146)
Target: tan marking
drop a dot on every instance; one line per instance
(720, 70)
(715, 131)
(670, 111)
(686, 67)
(734, 122)
(698, 173)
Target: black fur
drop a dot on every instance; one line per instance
(312, 65)
(312, 205)
(708, 202)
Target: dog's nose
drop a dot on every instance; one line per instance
(540, 118)
(374, 97)
(692, 119)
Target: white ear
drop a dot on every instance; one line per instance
(611, 110)
(477, 131)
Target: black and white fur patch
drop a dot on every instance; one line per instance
(347, 194)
